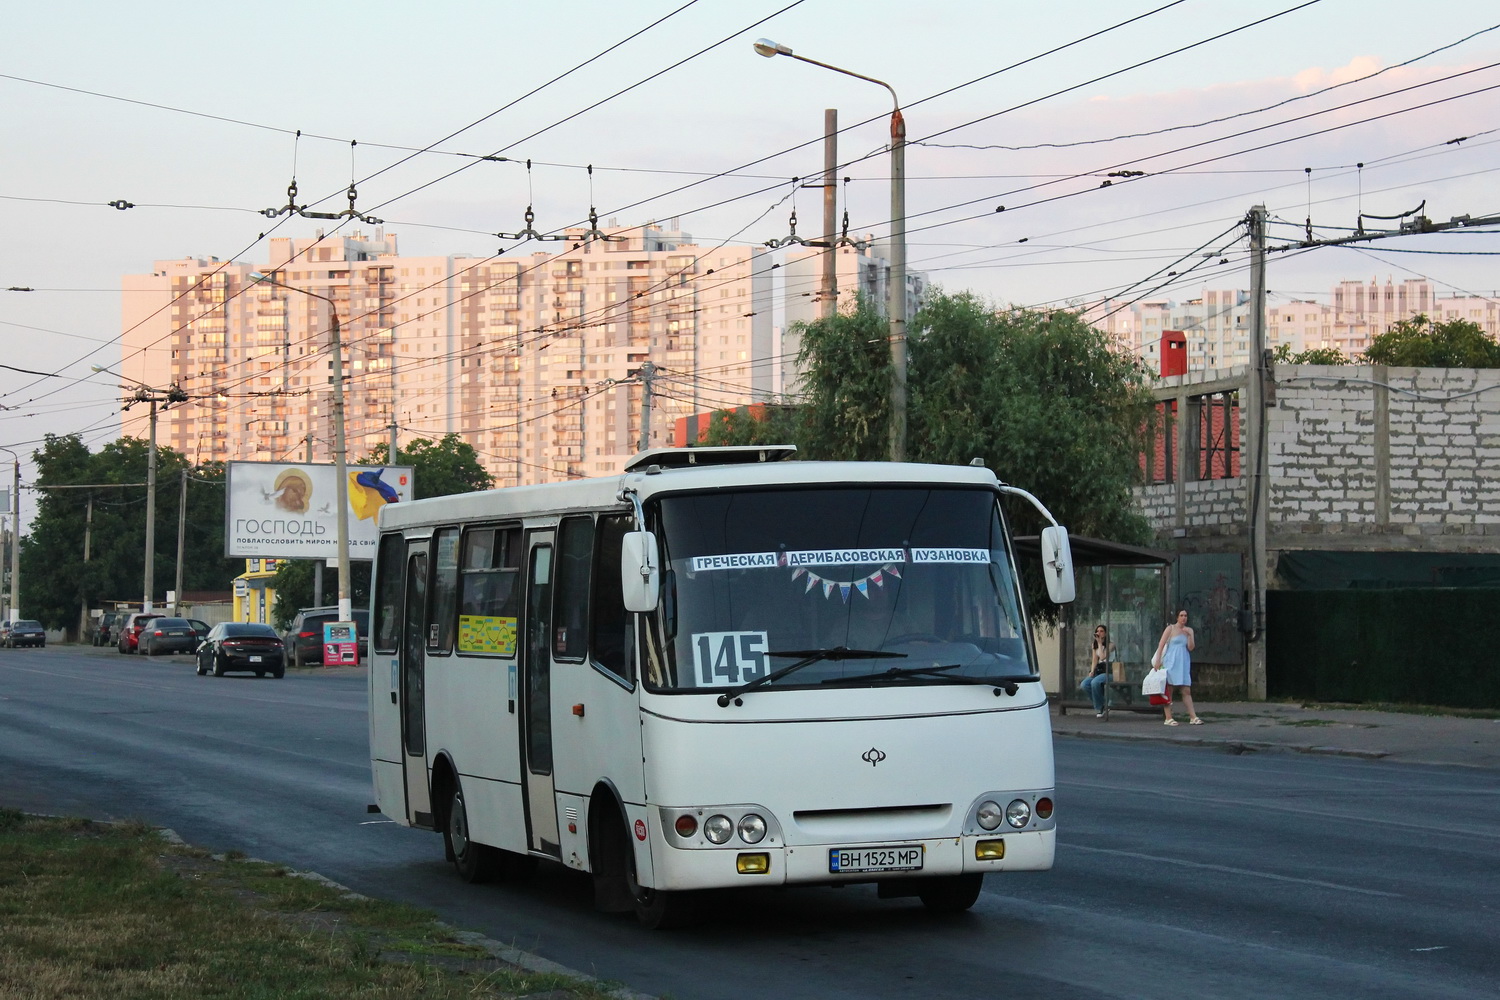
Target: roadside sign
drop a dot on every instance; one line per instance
(340, 644)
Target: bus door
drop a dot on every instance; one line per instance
(536, 688)
(413, 685)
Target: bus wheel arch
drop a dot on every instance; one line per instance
(612, 859)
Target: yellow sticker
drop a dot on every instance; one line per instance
(487, 634)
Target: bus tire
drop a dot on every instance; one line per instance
(473, 862)
(951, 893)
(657, 909)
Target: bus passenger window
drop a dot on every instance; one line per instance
(489, 592)
(570, 601)
(443, 596)
(613, 639)
(392, 564)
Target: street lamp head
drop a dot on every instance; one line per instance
(768, 48)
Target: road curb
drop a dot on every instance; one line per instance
(1229, 744)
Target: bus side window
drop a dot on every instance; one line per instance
(392, 567)
(570, 601)
(489, 592)
(613, 636)
(442, 599)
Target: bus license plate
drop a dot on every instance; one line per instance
(901, 858)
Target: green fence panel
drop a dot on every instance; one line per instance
(1424, 646)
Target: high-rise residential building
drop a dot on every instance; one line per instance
(1217, 323)
(538, 361)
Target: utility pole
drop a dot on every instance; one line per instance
(317, 563)
(1257, 492)
(150, 581)
(391, 458)
(13, 609)
(830, 211)
(88, 528)
(181, 540)
(647, 373)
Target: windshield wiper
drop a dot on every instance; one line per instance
(1009, 685)
(807, 657)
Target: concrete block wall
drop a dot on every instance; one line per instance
(1411, 451)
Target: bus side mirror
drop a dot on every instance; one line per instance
(640, 576)
(1057, 565)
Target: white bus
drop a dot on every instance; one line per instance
(717, 669)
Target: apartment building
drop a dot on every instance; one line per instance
(539, 361)
(1217, 322)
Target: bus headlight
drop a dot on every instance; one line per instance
(1018, 813)
(989, 814)
(752, 828)
(717, 829)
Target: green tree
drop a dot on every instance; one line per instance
(773, 423)
(1041, 398)
(439, 468)
(1312, 356)
(1420, 343)
(58, 583)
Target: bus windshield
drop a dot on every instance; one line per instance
(755, 581)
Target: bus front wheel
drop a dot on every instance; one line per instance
(951, 893)
(658, 909)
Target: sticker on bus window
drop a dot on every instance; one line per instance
(950, 555)
(487, 634)
(723, 659)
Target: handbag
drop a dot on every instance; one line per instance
(1156, 660)
(1154, 684)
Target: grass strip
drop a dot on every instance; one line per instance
(93, 911)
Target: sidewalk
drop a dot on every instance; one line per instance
(1273, 726)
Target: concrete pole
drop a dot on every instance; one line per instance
(181, 542)
(897, 291)
(648, 371)
(1257, 498)
(317, 563)
(340, 471)
(150, 581)
(15, 541)
(88, 528)
(830, 291)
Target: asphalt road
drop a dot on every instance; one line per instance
(1181, 871)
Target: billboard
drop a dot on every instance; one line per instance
(284, 510)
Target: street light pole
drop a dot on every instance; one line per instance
(150, 587)
(896, 292)
(13, 606)
(340, 471)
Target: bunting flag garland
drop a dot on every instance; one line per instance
(844, 587)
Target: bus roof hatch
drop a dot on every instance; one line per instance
(676, 458)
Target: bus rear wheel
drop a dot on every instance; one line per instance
(473, 862)
(951, 893)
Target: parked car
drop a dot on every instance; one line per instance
(242, 646)
(130, 630)
(104, 633)
(22, 632)
(172, 635)
(304, 639)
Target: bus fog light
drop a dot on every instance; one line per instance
(1044, 808)
(753, 864)
(686, 825)
(1018, 813)
(752, 828)
(990, 814)
(989, 850)
(717, 829)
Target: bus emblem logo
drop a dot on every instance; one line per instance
(873, 756)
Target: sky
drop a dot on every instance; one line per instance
(190, 113)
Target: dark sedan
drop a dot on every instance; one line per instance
(172, 635)
(242, 646)
(26, 633)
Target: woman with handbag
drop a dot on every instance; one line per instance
(1097, 682)
(1172, 652)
